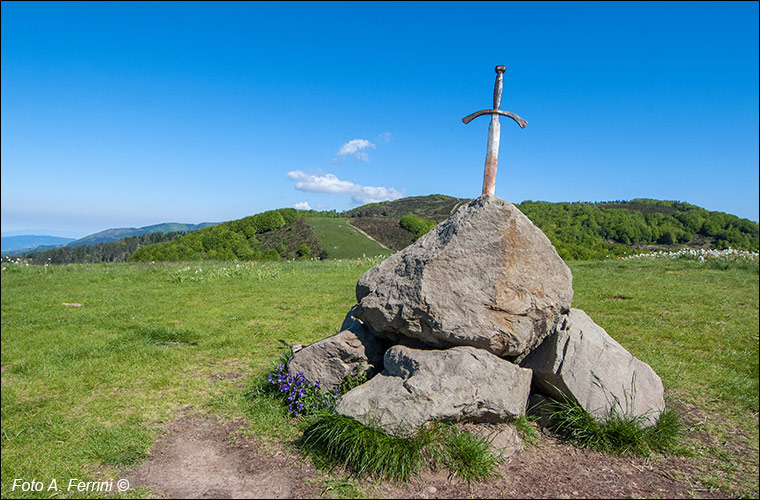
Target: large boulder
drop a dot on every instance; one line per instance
(580, 361)
(417, 386)
(352, 351)
(485, 277)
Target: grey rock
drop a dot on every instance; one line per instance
(582, 362)
(350, 352)
(417, 386)
(485, 277)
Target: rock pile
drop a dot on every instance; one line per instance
(465, 322)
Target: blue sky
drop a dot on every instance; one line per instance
(130, 114)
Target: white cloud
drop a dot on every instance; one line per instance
(356, 149)
(327, 183)
(330, 183)
(302, 205)
(384, 138)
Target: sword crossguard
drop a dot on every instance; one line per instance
(497, 88)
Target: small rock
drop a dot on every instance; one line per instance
(329, 361)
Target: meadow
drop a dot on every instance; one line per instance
(97, 357)
(341, 241)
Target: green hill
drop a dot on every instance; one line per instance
(578, 230)
(435, 206)
(582, 230)
(62, 253)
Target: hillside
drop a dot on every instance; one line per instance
(436, 207)
(272, 235)
(582, 230)
(579, 231)
(341, 241)
(112, 251)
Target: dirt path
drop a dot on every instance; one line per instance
(207, 457)
(348, 221)
(202, 457)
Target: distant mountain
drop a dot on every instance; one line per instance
(11, 243)
(124, 232)
(107, 236)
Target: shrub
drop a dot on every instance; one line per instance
(416, 225)
(304, 252)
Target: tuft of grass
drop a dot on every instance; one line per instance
(616, 434)
(158, 336)
(527, 430)
(363, 449)
(468, 456)
(367, 451)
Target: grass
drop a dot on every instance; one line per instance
(86, 389)
(616, 434)
(368, 451)
(341, 241)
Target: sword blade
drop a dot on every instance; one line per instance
(492, 155)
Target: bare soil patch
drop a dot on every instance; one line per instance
(206, 457)
(558, 470)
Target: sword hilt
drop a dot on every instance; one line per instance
(498, 85)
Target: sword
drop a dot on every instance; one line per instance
(494, 131)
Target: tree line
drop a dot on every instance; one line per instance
(239, 240)
(113, 251)
(579, 231)
(588, 231)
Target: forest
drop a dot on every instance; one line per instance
(240, 240)
(582, 231)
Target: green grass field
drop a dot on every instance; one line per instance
(342, 241)
(85, 386)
